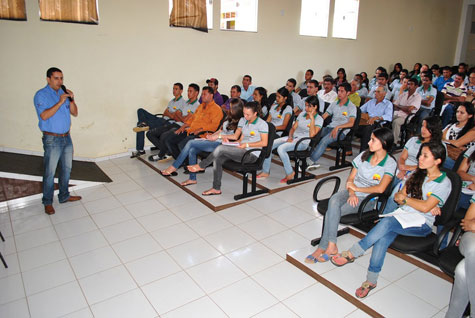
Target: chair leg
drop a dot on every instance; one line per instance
(3, 260)
(254, 191)
(1, 236)
(341, 232)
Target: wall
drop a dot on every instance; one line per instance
(132, 58)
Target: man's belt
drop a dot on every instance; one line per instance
(56, 135)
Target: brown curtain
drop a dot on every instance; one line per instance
(82, 11)
(12, 9)
(189, 14)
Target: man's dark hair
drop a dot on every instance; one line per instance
(180, 85)
(382, 69)
(385, 75)
(404, 70)
(209, 89)
(248, 76)
(435, 67)
(237, 87)
(462, 75)
(51, 70)
(465, 65)
(293, 81)
(413, 80)
(311, 71)
(346, 86)
(314, 82)
(328, 79)
(447, 68)
(195, 87)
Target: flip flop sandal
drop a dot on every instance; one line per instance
(207, 193)
(186, 183)
(283, 180)
(325, 257)
(194, 170)
(173, 174)
(261, 177)
(364, 290)
(311, 259)
(344, 257)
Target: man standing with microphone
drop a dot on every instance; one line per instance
(54, 106)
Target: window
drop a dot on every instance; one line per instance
(209, 12)
(82, 11)
(12, 10)
(314, 17)
(239, 15)
(345, 19)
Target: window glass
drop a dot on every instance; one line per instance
(239, 15)
(345, 19)
(314, 17)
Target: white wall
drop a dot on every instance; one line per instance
(132, 58)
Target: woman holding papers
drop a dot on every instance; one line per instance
(308, 124)
(372, 172)
(463, 290)
(425, 189)
(230, 130)
(254, 135)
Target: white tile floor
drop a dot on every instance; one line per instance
(141, 247)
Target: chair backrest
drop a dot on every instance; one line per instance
(439, 101)
(356, 124)
(225, 98)
(286, 131)
(458, 162)
(267, 150)
(448, 210)
(303, 93)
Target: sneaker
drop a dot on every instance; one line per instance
(153, 158)
(137, 153)
(141, 127)
(313, 166)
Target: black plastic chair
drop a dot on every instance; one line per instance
(439, 101)
(251, 168)
(285, 132)
(344, 143)
(303, 93)
(365, 219)
(459, 160)
(300, 158)
(425, 247)
(225, 98)
(408, 129)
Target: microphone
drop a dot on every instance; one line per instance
(64, 89)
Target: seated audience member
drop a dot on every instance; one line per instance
(428, 94)
(281, 111)
(260, 97)
(213, 83)
(365, 81)
(147, 121)
(206, 118)
(460, 135)
(343, 115)
(308, 124)
(424, 69)
(312, 90)
(308, 78)
(444, 79)
(372, 172)
(397, 83)
(234, 93)
(426, 188)
(395, 72)
(354, 96)
(466, 171)
(376, 110)
(290, 86)
(382, 81)
(407, 103)
(407, 163)
(327, 94)
(340, 77)
(254, 134)
(374, 80)
(454, 92)
(247, 89)
(471, 88)
(178, 116)
(229, 132)
(415, 71)
(435, 69)
(462, 69)
(363, 90)
(463, 290)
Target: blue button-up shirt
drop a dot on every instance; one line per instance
(374, 109)
(60, 122)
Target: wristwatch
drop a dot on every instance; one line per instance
(404, 201)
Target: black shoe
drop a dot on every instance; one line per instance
(153, 158)
(138, 153)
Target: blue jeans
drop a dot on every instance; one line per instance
(323, 144)
(57, 149)
(449, 163)
(151, 120)
(391, 205)
(337, 207)
(380, 237)
(447, 115)
(191, 150)
(282, 147)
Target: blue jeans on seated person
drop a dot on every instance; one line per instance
(282, 147)
(191, 150)
(57, 149)
(447, 115)
(151, 120)
(323, 144)
(449, 163)
(380, 237)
